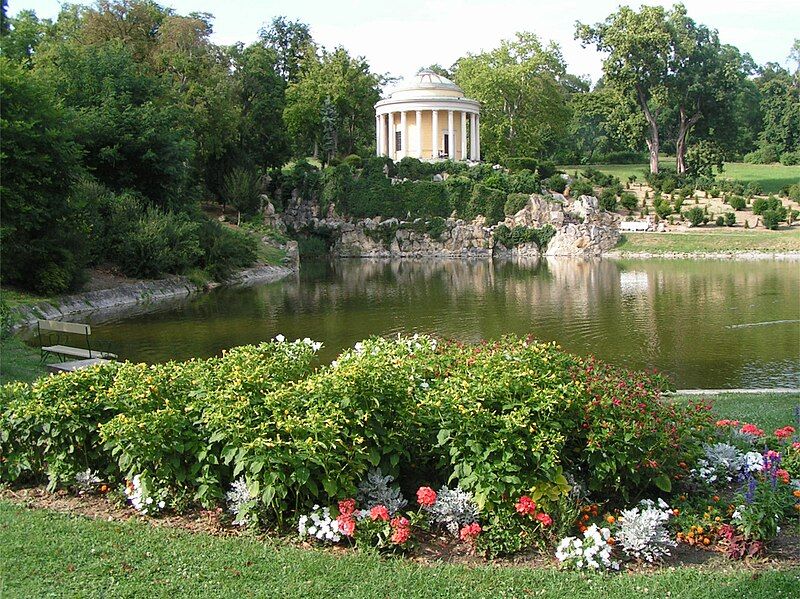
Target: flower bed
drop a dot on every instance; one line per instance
(502, 445)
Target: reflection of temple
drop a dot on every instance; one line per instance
(428, 119)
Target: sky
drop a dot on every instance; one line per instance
(398, 38)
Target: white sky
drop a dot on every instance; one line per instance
(400, 37)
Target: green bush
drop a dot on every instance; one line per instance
(608, 200)
(488, 202)
(525, 182)
(720, 221)
(753, 189)
(581, 187)
(629, 201)
(224, 250)
(761, 205)
(790, 158)
(459, 190)
(160, 243)
(556, 183)
(772, 217)
(242, 189)
(600, 178)
(737, 202)
(515, 202)
(415, 169)
(663, 208)
(767, 154)
(730, 219)
(793, 193)
(521, 234)
(544, 170)
(695, 216)
(354, 161)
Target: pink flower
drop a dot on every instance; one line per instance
(752, 429)
(379, 512)
(347, 525)
(470, 532)
(525, 506)
(783, 475)
(347, 507)
(545, 519)
(426, 496)
(401, 530)
(796, 445)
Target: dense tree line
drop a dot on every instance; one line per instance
(120, 118)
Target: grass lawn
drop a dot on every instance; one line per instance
(712, 239)
(18, 362)
(768, 411)
(771, 177)
(44, 553)
(15, 297)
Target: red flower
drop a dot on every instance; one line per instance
(752, 429)
(347, 507)
(426, 496)
(470, 532)
(796, 445)
(347, 525)
(525, 506)
(401, 530)
(545, 519)
(783, 475)
(785, 432)
(379, 512)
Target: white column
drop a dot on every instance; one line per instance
(382, 136)
(463, 135)
(391, 136)
(434, 134)
(403, 133)
(472, 144)
(377, 135)
(478, 137)
(419, 133)
(451, 138)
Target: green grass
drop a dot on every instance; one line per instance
(18, 362)
(711, 240)
(771, 177)
(15, 297)
(769, 410)
(48, 554)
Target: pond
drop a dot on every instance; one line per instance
(708, 324)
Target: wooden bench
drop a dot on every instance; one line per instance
(57, 337)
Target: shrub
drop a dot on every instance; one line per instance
(600, 178)
(354, 161)
(525, 182)
(225, 250)
(730, 219)
(695, 216)
(753, 189)
(761, 205)
(629, 201)
(793, 193)
(767, 154)
(242, 190)
(608, 200)
(522, 234)
(486, 201)
(663, 208)
(737, 202)
(720, 221)
(581, 187)
(556, 183)
(772, 217)
(515, 202)
(544, 170)
(790, 158)
(415, 169)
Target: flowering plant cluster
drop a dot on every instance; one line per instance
(141, 498)
(592, 552)
(320, 525)
(240, 502)
(642, 533)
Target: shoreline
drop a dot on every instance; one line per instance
(143, 294)
(732, 255)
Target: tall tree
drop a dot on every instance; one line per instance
(524, 107)
(669, 63)
(292, 43)
(353, 90)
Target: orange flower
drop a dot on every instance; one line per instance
(585, 517)
(676, 512)
(104, 488)
(796, 492)
(715, 498)
(611, 541)
(611, 519)
(706, 541)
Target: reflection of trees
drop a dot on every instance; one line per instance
(668, 314)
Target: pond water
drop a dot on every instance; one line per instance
(708, 324)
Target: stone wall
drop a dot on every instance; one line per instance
(582, 230)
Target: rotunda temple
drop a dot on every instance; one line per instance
(429, 119)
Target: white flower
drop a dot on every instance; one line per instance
(161, 504)
(280, 338)
(753, 462)
(424, 385)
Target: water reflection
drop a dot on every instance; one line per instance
(682, 317)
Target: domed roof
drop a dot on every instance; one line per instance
(427, 83)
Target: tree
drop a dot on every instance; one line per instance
(353, 90)
(42, 245)
(293, 46)
(20, 35)
(330, 134)
(669, 63)
(524, 107)
(603, 120)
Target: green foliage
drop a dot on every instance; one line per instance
(663, 208)
(608, 200)
(629, 201)
(695, 216)
(160, 242)
(581, 187)
(730, 219)
(224, 250)
(600, 178)
(488, 202)
(772, 217)
(556, 183)
(414, 169)
(703, 157)
(301, 436)
(790, 158)
(522, 234)
(515, 202)
(241, 189)
(720, 221)
(737, 202)
(761, 205)
(544, 169)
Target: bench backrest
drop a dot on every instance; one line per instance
(65, 327)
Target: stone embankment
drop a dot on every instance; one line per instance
(582, 230)
(137, 296)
